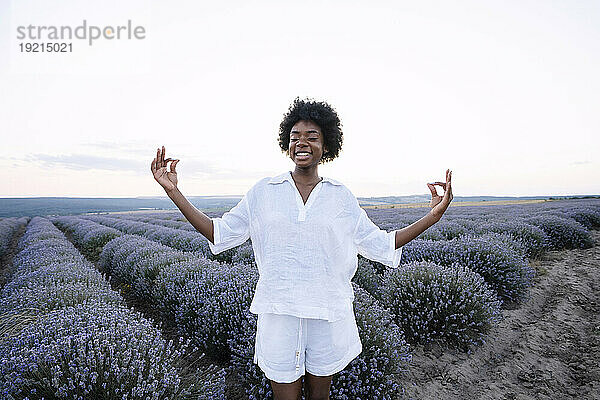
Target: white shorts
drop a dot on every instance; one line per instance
(287, 346)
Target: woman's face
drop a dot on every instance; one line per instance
(307, 144)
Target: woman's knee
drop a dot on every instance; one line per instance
(317, 387)
(287, 391)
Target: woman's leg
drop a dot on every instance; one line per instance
(287, 391)
(280, 354)
(330, 347)
(317, 387)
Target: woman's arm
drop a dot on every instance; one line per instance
(168, 180)
(438, 205)
(197, 218)
(410, 232)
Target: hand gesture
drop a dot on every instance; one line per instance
(167, 179)
(439, 204)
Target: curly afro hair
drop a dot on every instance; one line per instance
(321, 114)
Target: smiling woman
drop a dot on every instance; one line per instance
(323, 121)
(305, 140)
(306, 233)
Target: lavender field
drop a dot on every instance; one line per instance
(135, 306)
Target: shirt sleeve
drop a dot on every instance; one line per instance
(375, 243)
(232, 228)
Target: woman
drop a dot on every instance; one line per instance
(306, 233)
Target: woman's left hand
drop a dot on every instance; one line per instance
(439, 204)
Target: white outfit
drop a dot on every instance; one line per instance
(306, 256)
(287, 346)
(306, 253)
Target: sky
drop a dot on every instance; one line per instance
(504, 93)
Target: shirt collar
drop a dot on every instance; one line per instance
(287, 176)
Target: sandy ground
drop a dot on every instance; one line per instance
(548, 348)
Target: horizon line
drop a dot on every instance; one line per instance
(241, 195)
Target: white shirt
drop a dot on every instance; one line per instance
(306, 253)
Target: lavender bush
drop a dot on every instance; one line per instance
(54, 295)
(433, 233)
(563, 233)
(514, 220)
(8, 228)
(449, 305)
(532, 239)
(377, 372)
(92, 350)
(453, 228)
(39, 233)
(89, 236)
(184, 240)
(50, 273)
(586, 216)
(203, 300)
(367, 277)
(244, 254)
(256, 384)
(135, 263)
(503, 268)
(208, 303)
(30, 274)
(176, 238)
(96, 348)
(503, 239)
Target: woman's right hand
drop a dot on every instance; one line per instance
(167, 179)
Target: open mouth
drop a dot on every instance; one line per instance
(302, 155)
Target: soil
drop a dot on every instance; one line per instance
(548, 348)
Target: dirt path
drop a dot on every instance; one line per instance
(549, 348)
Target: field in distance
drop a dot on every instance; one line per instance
(31, 206)
(462, 203)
